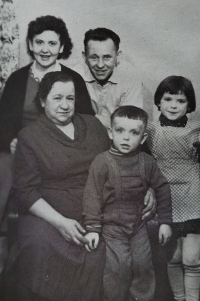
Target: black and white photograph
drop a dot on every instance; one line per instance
(99, 150)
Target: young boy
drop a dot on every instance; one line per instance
(113, 202)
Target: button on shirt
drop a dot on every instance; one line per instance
(122, 88)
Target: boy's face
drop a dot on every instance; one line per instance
(127, 134)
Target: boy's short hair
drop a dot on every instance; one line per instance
(44, 23)
(101, 34)
(174, 85)
(130, 112)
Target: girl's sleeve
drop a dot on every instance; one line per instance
(27, 178)
(93, 195)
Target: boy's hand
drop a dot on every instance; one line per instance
(93, 241)
(165, 233)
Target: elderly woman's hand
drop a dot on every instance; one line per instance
(72, 231)
(150, 205)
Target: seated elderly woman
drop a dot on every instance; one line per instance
(52, 160)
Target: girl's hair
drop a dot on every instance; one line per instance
(46, 85)
(130, 112)
(176, 85)
(52, 23)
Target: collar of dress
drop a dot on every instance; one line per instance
(54, 132)
(38, 75)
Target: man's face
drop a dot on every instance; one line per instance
(101, 58)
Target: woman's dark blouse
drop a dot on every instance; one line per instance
(51, 165)
(13, 98)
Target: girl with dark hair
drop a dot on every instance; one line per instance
(171, 141)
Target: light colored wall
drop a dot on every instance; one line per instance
(161, 37)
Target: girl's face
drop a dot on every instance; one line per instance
(173, 106)
(46, 48)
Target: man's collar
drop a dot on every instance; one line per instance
(88, 77)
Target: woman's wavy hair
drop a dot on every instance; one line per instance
(176, 85)
(47, 83)
(41, 24)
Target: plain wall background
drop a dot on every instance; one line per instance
(160, 37)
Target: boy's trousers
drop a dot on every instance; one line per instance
(129, 273)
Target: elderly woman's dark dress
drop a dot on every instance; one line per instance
(51, 165)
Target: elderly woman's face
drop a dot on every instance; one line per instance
(46, 48)
(60, 102)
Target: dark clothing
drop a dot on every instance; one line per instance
(184, 228)
(101, 201)
(52, 166)
(114, 197)
(13, 98)
(128, 273)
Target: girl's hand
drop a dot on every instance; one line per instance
(165, 233)
(93, 241)
(72, 231)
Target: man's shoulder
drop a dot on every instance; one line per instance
(126, 70)
(71, 71)
(81, 68)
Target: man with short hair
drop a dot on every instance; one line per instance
(110, 83)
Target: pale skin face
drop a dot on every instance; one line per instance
(127, 134)
(46, 48)
(60, 102)
(101, 58)
(173, 106)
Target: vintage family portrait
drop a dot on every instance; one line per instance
(99, 150)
